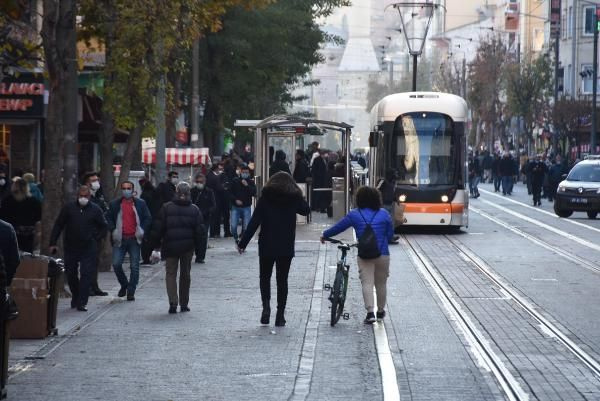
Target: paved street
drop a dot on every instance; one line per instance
(514, 293)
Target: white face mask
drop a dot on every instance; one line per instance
(199, 185)
(95, 185)
(83, 201)
(174, 180)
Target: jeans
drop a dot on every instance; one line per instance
(282, 269)
(506, 184)
(80, 265)
(473, 183)
(184, 262)
(130, 246)
(496, 179)
(236, 213)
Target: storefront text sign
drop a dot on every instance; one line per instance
(22, 97)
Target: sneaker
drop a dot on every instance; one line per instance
(122, 292)
(184, 309)
(130, 296)
(380, 314)
(173, 309)
(370, 319)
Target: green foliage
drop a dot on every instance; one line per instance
(249, 67)
(528, 88)
(17, 43)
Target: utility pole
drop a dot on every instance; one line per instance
(464, 78)
(391, 75)
(194, 120)
(414, 81)
(161, 140)
(595, 82)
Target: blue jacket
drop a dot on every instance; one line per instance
(381, 224)
(115, 221)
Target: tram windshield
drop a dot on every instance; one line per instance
(423, 149)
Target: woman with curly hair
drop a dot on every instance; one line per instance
(275, 213)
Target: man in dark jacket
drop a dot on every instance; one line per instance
(92, 181)
(180, 227)
(166, 190)
(538, 172)
(279, 164)
(242, 191)
(506, 168)
(83, 224)
(9, 249)
(301, 170)
(128, 218)
(204, 198)
(496, 177)
(217, 180)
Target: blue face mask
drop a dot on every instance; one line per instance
(245, 176)
(127, 193)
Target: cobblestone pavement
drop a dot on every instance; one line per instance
(137, 351)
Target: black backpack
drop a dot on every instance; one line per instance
(367, 243)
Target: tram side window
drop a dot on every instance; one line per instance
(424, 149)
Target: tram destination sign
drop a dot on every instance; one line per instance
(22, 96)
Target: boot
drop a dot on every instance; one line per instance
(266, 315)
(280, 318)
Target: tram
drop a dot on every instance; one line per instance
(418, 141)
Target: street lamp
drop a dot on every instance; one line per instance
(416, 19)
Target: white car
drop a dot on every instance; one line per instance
(580, 191)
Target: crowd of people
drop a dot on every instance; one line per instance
(541, 173)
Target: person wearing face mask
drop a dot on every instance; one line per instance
(83, 225)
(217, 181)
(242, 191)
(128, 218)
(92, 181)
(204, 198)
(22, 211)
(166, 190)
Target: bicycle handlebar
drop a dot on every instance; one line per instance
(337, 241)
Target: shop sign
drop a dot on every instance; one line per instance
(22, 96)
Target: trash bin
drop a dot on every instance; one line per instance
(35, 291)
(338, 197)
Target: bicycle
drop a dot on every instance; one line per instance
(340, 283)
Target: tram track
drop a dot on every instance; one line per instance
(480, 345)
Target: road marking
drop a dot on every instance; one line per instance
(567, 255)
(541, 211)
(389, 380)
(545, 226)
(544, 279)
(478, 344)
(309, 345)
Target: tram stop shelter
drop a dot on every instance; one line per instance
(288, 133)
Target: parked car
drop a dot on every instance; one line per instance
(580, 190)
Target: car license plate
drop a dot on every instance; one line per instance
(579, 200)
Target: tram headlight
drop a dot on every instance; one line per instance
(444, 198)
(402, 198)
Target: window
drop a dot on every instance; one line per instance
(588, 20)
(586, 78)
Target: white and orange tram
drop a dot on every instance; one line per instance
(419, 139)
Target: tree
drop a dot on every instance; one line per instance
(568, 115)
(250, 67)
(528, 90)
(18, 46)
(487, 85)
(451, 78)
(60, 155)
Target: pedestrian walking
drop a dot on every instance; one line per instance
(387, 189)
(166, 190)
(9, 251)
(83, 225)
(373, 272)
(321, 179)
(218, 182)
(34, 189)
(179, 230)
(153, 201)
(301, 169)
(23, 212)
(506, 169)
(279, 164)
(487, 166)
(474, 173)
(538, 172)
(128, 218)
(204, 199)
(92, 181)
(496, 176)
(243, 190)
(275, 214)
(555, 176)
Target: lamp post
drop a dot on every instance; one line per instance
(416, 19)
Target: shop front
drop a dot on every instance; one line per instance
(22, 115)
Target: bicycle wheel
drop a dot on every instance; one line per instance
(338, 296)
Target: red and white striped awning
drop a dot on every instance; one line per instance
(182, 156)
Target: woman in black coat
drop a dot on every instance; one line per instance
(275, 213)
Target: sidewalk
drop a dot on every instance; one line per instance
(218, 351)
